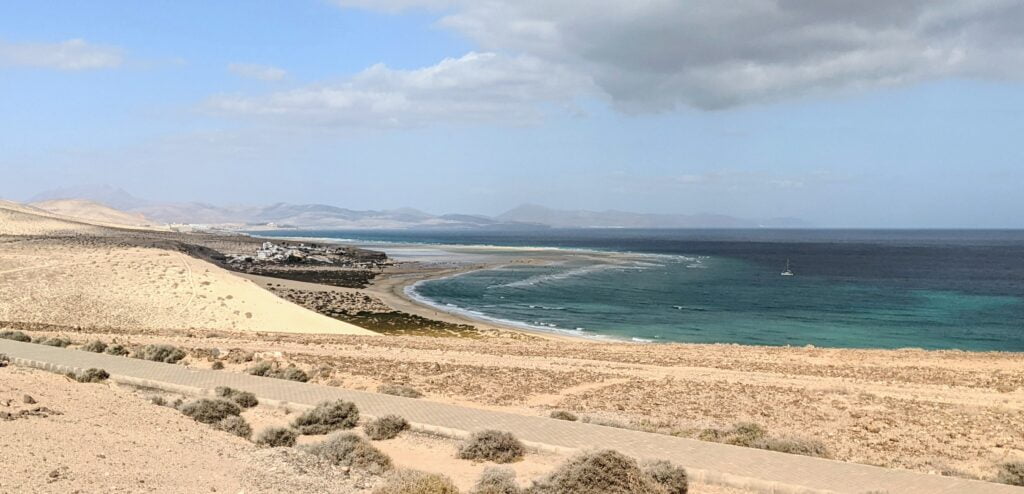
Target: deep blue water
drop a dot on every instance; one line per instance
(853, 288)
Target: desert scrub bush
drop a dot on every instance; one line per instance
(117, 349)
(235, 425)
(276, 437)
(386, 427)
(670, 477)
(57, 341)
(168, 354)
(4, 360)
(564, 415)
(754, 436)
(793, 446)
(350, 450)
(158, 400)
(491, 445)
(269, 369)
(243, 399)
(95, 346)
(496, 480)
(416, 482)
(1011, 473)
(210, 411)
(598, 472)
(16, 336)
(399, 390)
(91, 375)
(327, 417)
(218, 365)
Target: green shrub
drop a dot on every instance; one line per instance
(386, 427)
(491, 445)
(1011, 473)
(399, 390)
(210, 411)
(598, 472)
(57, 341)
(243, 399)
(92, 375)
(235, 425)
(497, 480)
(564, 415)
(16, 336)
(95, 346)
(670, 477)
(327, 417)
(348, 449)
(160, 353)
(269, 369)
(276, 437)
(416, 482)
(117, 349)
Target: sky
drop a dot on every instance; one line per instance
(844, 114)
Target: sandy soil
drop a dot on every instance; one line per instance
(94, 213)
(957, 413)
(73, 439)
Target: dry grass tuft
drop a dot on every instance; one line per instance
(416, 482)
(327, 417)
(399, 390)
(670, 477)
(95, 346)
(91, 375)
(16, 336)
(277, 437)
(235, 425)
(243, 399)
(564, 415)
(386, 427)
(348, 449)
(497, 480)
(492, 445)
(598, 472)
(1011, 473)
(168, 354)
(210, 411)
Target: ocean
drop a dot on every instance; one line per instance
(933, 289)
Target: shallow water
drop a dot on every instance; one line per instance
(853, 288)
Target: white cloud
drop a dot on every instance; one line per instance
(656, 55)
(257, 71)
(475, 87)
(73, 54)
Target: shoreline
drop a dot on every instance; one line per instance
(390, 287)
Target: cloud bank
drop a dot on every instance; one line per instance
(73, 54)
(475, 87)
(257, 71)
(659, 55)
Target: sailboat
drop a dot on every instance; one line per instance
(787, 272)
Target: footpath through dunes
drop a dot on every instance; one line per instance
(719, 463)
(59, 271)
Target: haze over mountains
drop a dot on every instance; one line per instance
(321, 216)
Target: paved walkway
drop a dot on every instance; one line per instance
(717, 463)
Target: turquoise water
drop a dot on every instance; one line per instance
(870, 289)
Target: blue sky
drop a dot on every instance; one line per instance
(851, 116)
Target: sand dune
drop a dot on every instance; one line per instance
(93, 212)
(71, 273)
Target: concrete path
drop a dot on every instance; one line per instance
(765, 471)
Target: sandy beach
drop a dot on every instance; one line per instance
(943, 412)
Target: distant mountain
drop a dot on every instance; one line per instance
(103, 194)
(556, 218)
(322, 216)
